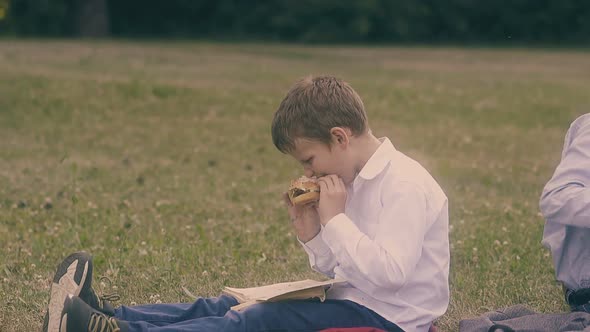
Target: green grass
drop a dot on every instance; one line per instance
(157, 159)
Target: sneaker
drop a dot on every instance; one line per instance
(73, 276)
(100, 303)
(78, 316)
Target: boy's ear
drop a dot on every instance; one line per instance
(340, 136)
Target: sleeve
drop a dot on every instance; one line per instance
(566, 197)
(389, 258)
(321, 258)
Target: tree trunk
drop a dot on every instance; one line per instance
(92, 18)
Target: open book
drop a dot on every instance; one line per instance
(295, 290)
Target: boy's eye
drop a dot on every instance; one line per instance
(307, 161)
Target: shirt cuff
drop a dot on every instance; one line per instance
(316, 246)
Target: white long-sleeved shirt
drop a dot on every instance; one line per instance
(565, 204)
(391, 244)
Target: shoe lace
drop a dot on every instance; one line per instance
(108, 296)
(102, 323)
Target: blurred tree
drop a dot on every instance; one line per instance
(324, 21)
(3, 9)
(38, 17)
(91, 18)
(425, 21)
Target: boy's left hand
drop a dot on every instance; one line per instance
(332, 197)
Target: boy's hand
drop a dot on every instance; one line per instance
(332, 197)
(305, 219)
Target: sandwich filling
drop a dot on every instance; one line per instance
(300, 191)
(302, 186)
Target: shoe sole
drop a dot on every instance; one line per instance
(63, 326)
(70, 278)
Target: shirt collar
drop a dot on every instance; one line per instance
(379, 160)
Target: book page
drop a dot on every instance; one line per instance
(268, 292)
(302, 294)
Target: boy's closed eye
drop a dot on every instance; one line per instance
(307, 161)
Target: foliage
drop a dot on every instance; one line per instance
(468, 21)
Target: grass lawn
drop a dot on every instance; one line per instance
(157, 158)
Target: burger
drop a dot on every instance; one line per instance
(304, 190)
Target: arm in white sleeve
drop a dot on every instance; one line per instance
(389, 258)
(320, 256)
(566, 197)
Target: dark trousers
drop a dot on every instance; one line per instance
(214, 314)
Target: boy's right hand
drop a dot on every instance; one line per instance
(305, 219)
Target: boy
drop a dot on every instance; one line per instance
(381, 224)
(565, 204)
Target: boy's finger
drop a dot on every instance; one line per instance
(323, 186)
(334, 179)
(286, 199)
(327, 184)
(341, 185)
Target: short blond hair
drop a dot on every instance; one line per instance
(312, 107)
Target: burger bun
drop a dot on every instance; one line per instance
(306, 198)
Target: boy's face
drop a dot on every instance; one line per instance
(319, 159)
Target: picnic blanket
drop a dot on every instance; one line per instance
(520, 318)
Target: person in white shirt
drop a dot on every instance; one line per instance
(565, 204)
(381, 224)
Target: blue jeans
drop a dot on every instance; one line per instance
(214, 314)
